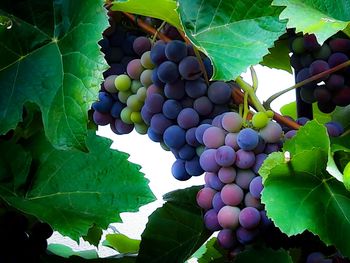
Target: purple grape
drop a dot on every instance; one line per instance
(259, 159)
(319, 66)
(334, 129)
(207, 161)
(122, 127)
(244, 159)
(232, 122)
(225, 156)
(193, 166)
(340, 45)
(271, 147)
(310, 42)
(109, 85)
(175, 90)
(189, 68)
(171, 109)
(217, 202)
(205, 198)
(315, 257)
(141, 45)
(260, 147)
(116, 109)
(341, 97)
(196, 88)
(219, 92)
(271, 133)
(264, 221)
(211, 220)
(203, 106)
(226, 239)
(160, 123)
(322, 94)
(251, 201)
(245, 236)
(335, 82)
(174, 137)
(249, 217)
(213, 181)
(200, 131)
(102, 119)
(176, 50)
(154, 103)
(336, 59)
(146, 115)
(153, 89)
(244, 177)
(217, 121)
(231, 140)
(191, 137)
(232, 194)
(155, 80)
(158, 53)
(227, 175)
(134, 69)
(188, 118)
(178, 170)
(290, 134)
(214, 137)
(228, 217)
(247, 139)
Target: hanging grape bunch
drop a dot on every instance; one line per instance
(310, 58)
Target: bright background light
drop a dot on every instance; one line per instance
(156, 163)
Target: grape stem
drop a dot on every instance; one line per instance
(250, 91)
(149, 29)
(158, 31)
(267, 103)
(254, 78)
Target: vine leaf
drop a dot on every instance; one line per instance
(323, 18)
(162, 9)
(234, 34)
(66, 252)
(73, 190)
(94, 235)
(262, 255)
(214, 253)
(305, 190)
(174, 231)
(122, 243)
(50, 57)
(278, 58)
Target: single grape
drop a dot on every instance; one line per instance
(207, 161)
(340, 45)
(158, 53)
(232, 122)
(196, 88)
(322, 94)
(175, 90)
(228, 217)
(134, 103)
(174, 137)
(171, 109)
(193, 167)
(141, 94)
(189, 68)
(247, 139)
(244, 159)
(146, 115)
(141, 45)
(271, 133)
(203, 106)
(226, 238)
(146, 61)
(211, 220)
(187, 152)
(188, 118)
(122, 127)
(335, 82)
(154, 136)
(191, 137)
(219, 92)
(231, 140)
(249, 217)
(322, 53)
(141, 128)
(102, 119)
(135, 86)
(176, 50)
(160, 123)
(232, 194)
(214, 137)
(168, 72)
(179, 172)
(154, 103)
(310, 43)
(116, 109)
(251, 201)
(256, 187)
(319, 66)
(245, 236)
(134, 69)
(307, 94)
(259, 159)
(298, 45)
(213, 181)
(217, 202)
(225, 156)
(244, 177)
(336, 59)
(208, 67)
(227, 175)
(125, 115)
(122, 82)
(205, 197)
(109, 85)
(260, 120)
(136, 117)
(146, 77)
(342, 97)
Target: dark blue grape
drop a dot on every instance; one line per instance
(176, 50)
(219, 92)
(203, 106)
(178, 170)
(189, 68)
(154, 136)
(167, 72)
(193, 167)
(174, 137)
(196, 88)
(171, 109)
(175, 90)
(116, 109)
(158, 53)
(187, 152)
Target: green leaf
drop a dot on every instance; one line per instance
(308, 196)
(74, 190)
(234, 34)
(94, 235)
(77, 259)
(162, 9)
(122, 243)
(214, 253)
(174, 231)
(50, 57)
(66, 252)
(262, 255)
(341, 115)
(290, 109)
(278, 58)
(324, 18)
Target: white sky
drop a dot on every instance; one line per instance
(156, 163)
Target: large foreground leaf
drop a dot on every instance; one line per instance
(174, 231)
(300, 194)
(162, 9)
(50, 57)
(321, 17)
(73, 190)
(278, 57)
(235, 34)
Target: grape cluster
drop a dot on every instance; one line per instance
(231, 160)
(310, 58)
(179, 103)
(18, 243)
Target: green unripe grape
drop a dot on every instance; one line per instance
(164, 146)
(346, 177)
(146, 61)
(125, 115)
(141, 128)
(135, 85)
(260, 120)
(109, 85)
(136, 117)
(134, 103)
(124, 95)
(270, 113)
(122, 82)
(200, 150)
(141, 94)
(298, 45)
(146, 77)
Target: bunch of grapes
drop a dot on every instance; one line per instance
(179, 102)
(310, 58)
(18, 243)
(232, 191)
